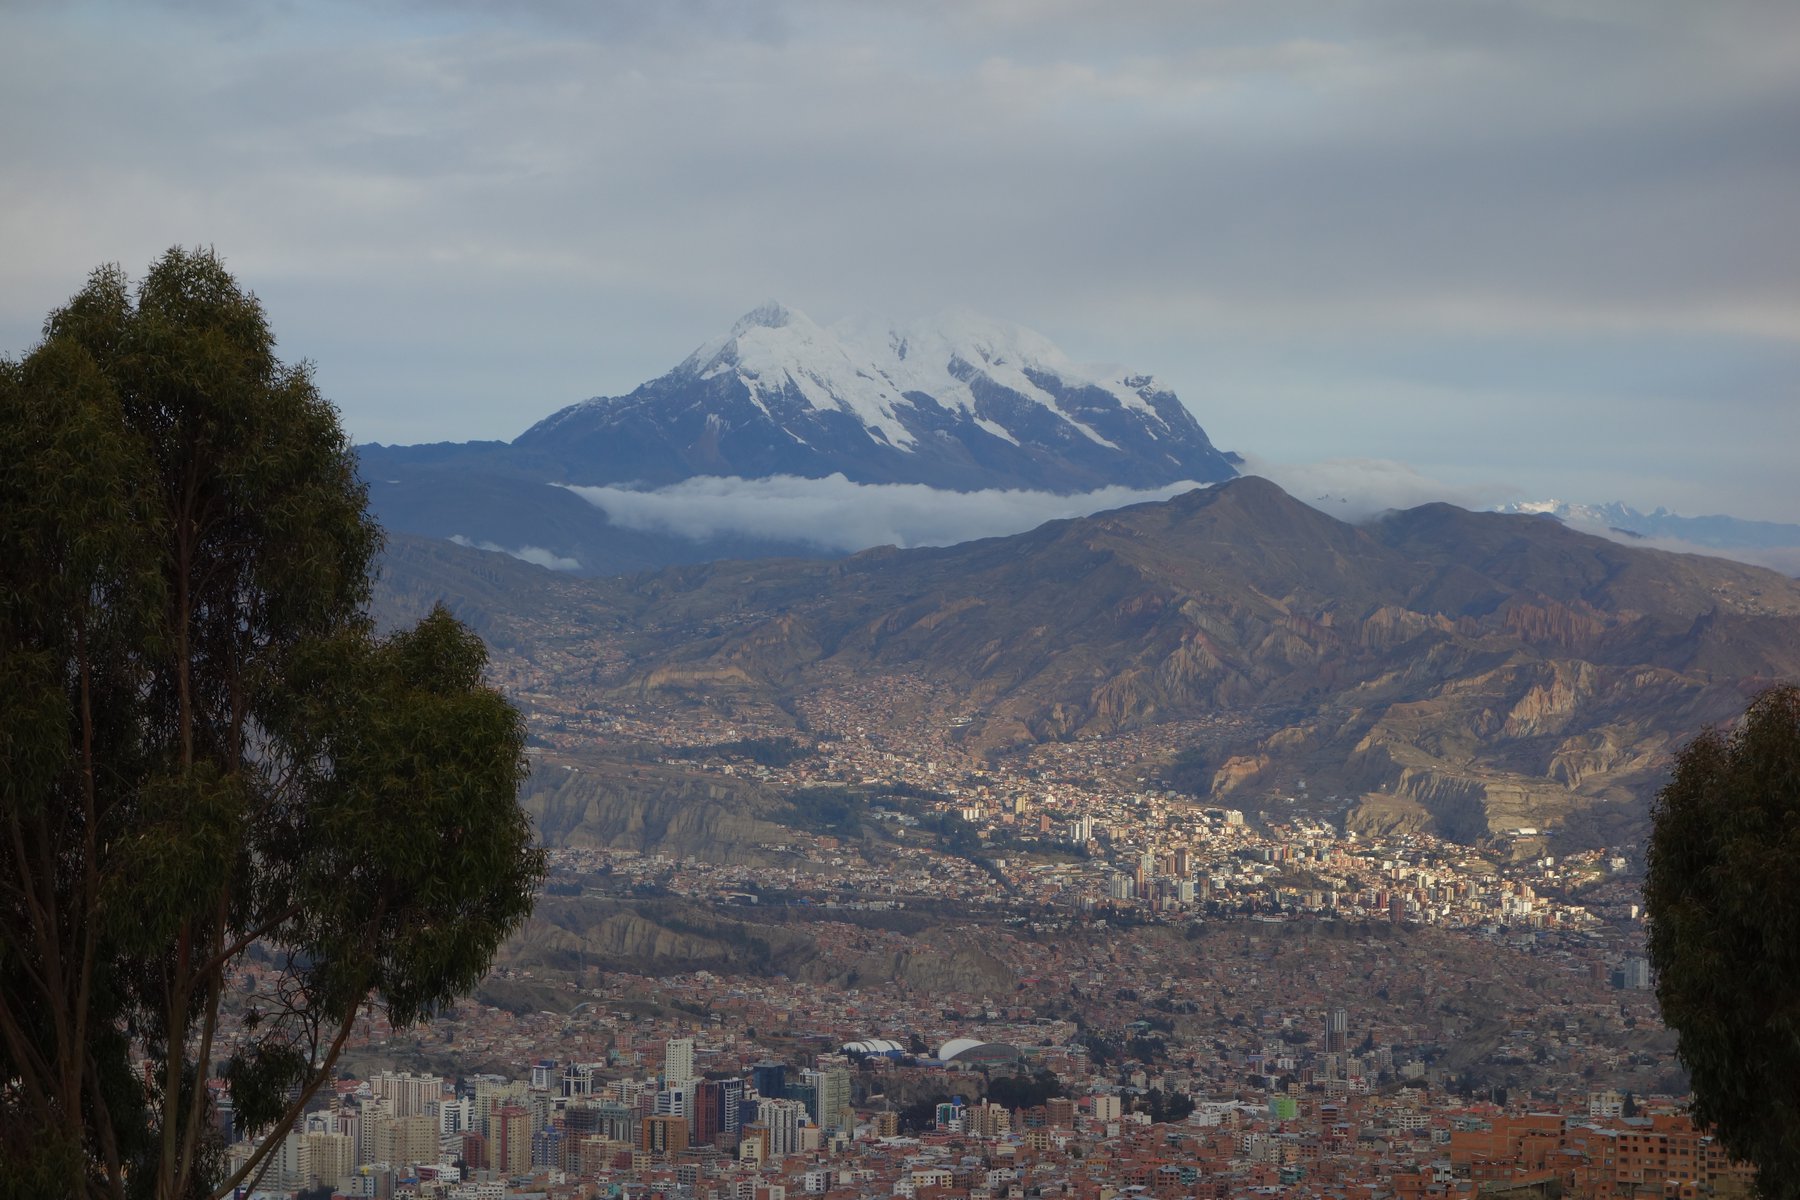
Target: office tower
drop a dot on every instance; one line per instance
(676, 1100)
(665, 1135)
(578, 1079)
(709, 1111)
(678, 1060)
(769, 1079)
(293, 1162)
(456, 1116)
(806, 1092)
(547, 1147)
(721, 1107)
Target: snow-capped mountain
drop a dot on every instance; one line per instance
(1713, 532)
(957, 401)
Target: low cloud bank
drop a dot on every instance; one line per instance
(1785, 559)
(1355, 489)
(836, 514)
(536, 555)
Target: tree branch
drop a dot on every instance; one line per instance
(203, 1063)
(27, 1061)
(294, 1110)
(223, 957)
(89, 923)
(109, 1141)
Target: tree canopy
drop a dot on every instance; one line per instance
(206, 747)
(1722, 892)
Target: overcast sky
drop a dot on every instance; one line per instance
(1545, 249)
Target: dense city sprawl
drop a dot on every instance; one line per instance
(1047, 973)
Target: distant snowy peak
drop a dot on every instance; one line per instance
(1616, 512)
(958, 400)
(1722, 533)
(872, 371)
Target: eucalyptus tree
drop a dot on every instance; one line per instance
(1722, 893)
(233, 818)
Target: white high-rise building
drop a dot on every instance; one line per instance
(407, 1094)
(783, 1120)
(678, 1060)
(456, 1116)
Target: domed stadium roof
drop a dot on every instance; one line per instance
(974, 1050)
(872, 1046)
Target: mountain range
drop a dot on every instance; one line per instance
(1769, 543)
(1476, 674)
(957, 402)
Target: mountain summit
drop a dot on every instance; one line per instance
(956, 401)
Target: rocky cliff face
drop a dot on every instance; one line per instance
(652, 808)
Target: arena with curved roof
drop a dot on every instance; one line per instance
(874, 1046)
(972, 1050)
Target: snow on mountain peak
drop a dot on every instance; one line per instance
(976, 367)
(964, 398)
(770, 314)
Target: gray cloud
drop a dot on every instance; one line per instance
(835, 514)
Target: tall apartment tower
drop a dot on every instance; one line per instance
(783, 1120)
(511, 1139)
(1337, 1031)
(407, 1094)
(664, 1135)
(678, 1061)
(833, 1097)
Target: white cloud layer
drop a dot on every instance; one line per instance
(1355, 489)
(535, 555)
(1785, 559)
(836, 514)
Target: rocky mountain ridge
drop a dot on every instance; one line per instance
(1472, 673)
